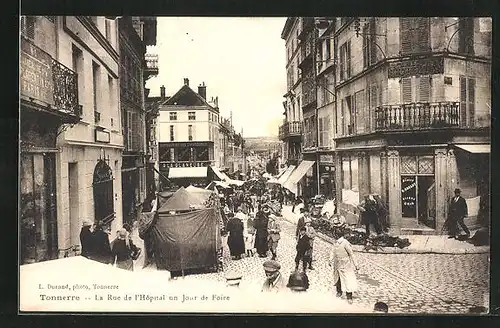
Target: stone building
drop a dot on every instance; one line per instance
(412, 118)
(187, 134)
(135, 33)
(72, 65)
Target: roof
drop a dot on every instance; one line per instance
(287, 28)
(186, 97)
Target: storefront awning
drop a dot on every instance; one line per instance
(476, 148)
(187, 172)
(219, 174)
(286, 174)
(297, 174)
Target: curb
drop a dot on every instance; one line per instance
(394, 250)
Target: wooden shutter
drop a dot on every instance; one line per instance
(471, 97)
(463, 101)
(372, 104)
(422, 31)
(129, 130)
(348, 55)
(406, 94)
(342, 116)
(342, 61)
(424, 86)
(366, 53)
(405, 34)
(360, 111)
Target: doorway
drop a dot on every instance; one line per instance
(418, 196)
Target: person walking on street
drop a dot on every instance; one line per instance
(101, 248)
(249, 234)
(342, 261)
(274, 230)
(261, 234)
(303, 246)
(274, 280)
(301, 222)
(369, 214)
(311, 233)
(121, 251)
(457, 213)
(86, 239)
(235, 240)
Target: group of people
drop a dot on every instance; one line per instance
(94, 238)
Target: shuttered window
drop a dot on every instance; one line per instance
(352, 116)
(471, 100)
(406, 94)
(348, 55)
(414, 34)
(342, 117)
(424, 92)
(342, 62)
(360, 111)
(366, 49)
(463, 101)
(466, 35)
(371, 44)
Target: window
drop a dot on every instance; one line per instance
(467, 101)
(95, 84)
(359, 112)
(103, 193)
(350, 123)
(192, 116)
(28, 26)
(111, 90)
(328, 49)
(414, 34)
(416, 89)
(173, 116)
(129, 129)
(369, 39)
(350, 173)
(190, 132)
(466, 35)
(374, 100)
(324, 126)
(108, 29)
(345, 60)
(172, 136)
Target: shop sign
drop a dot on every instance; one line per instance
(326, 158)
(415, 67)
(102, 136)
(36, 73)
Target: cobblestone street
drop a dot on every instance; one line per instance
(408, 283)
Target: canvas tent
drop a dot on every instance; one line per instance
(185, 233)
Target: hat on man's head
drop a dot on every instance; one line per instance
(86, 223)
(457, 191)
(233, 278)
(122, 233)
(271, 265)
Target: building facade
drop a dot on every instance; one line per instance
(187, 131)
(77, 176)
(135, 33)
(412, 115)
(290, 132)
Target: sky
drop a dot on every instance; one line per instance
(240, 59)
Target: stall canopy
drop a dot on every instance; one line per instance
(187, 172)
(182, 200)
(221, 175)
(238, 183)
(297, 174)
(286, 174)
(476, 148)
(221, 184)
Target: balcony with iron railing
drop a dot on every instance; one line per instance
(47, 84)
(417, 116)
(151, 68)
(290, 129)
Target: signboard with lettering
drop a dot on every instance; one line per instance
(102, 136)
(36, 73)
(409, 196)
(326, 158)
(416, 67)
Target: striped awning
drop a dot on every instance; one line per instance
(286, 174)
(297, 175)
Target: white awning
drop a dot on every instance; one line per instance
(286, 174)
(476, 148)
(297, 174)
(187, 172)
(218, 173)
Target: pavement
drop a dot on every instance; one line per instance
(416, 283)
(419, 244)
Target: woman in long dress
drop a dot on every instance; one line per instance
(235, 240)
(343, 263)
(261, 234)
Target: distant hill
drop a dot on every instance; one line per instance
(262, 144)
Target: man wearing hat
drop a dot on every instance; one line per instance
(86, 238)
(458, 212)
(121, 251)
(233, 279)
(274, 280)
(301, 222)
(298, 282)
(274, 230)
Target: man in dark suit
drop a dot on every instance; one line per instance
(458, 212)
(303, 247)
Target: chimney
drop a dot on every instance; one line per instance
(202, 91)
(186, 81)
(162, 92)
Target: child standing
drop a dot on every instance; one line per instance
(344, 264)
(249, 235)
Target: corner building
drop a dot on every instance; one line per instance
(412, 116)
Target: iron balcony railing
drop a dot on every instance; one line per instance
(46, 80)
(416, 116)
(290, 129)
(151, 68)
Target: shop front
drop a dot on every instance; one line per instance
(327, 175)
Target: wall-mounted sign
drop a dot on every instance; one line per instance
(326, 158)
(415, 67)
(36, 73)
(102, 136)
